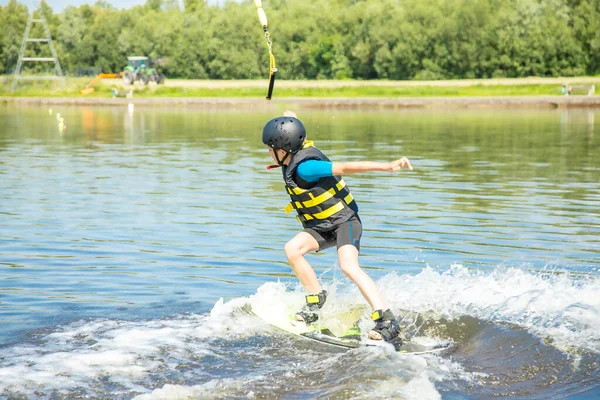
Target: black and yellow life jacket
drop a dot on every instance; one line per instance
(321, 205)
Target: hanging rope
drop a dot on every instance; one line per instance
(262, 17)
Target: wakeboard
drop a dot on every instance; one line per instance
(341, 330)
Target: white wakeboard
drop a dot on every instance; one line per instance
(341, 329)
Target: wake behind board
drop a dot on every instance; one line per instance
(341, 330)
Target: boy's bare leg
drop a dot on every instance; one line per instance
(295, 250)
(348, 258)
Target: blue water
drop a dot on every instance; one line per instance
(131, 241)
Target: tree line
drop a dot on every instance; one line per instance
(325, 39)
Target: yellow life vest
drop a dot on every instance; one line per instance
(320, 205)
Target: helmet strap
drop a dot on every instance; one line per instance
(280, 162)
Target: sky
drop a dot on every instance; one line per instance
(59, 5)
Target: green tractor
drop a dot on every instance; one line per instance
(138, 69)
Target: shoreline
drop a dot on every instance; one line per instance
(548, 102)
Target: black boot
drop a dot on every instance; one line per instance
(309, 312)
(386, 327)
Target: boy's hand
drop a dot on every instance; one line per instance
(399, 164)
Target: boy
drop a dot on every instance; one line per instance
(329, 216)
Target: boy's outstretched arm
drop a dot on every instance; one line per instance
(356, 167)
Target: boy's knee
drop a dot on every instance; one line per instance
(292, 250)
(350, 269)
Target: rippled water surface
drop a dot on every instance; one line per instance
(131, 242)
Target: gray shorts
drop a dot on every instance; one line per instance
(349, 232)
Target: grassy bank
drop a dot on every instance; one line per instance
(286, 89)
(363, 91)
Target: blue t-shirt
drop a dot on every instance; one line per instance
(313, 170)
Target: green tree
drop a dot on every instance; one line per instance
(534, 40)
(154, 5)
(233, 49)
(69, 45)
(193, 6)
(13, 20)
(189, 51)
(585, 25)
(328, 39)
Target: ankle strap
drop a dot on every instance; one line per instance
(316, 298)
(377, 315)
(380, 314)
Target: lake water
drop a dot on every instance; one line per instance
(131, 241)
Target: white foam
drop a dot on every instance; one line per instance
(214, 389)
(409, 376)
(406, 377)
(124, 351)
(558, 306)
(418, 388)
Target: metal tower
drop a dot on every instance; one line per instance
(27, 39)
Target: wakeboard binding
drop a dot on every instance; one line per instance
(310, 312)
(386, 328)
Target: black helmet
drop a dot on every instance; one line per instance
(285, 133)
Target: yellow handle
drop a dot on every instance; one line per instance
(262, 17)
